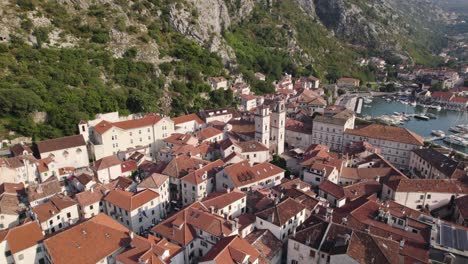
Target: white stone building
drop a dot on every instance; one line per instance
(109, 137)
(423, 193)
(200, 183)
(396, 143)
(67, 152)
(227, 203)
(136, 211)
(188, 123)
(431, 164)
(23, 244)
(329, 128)
(246, 177)
(57, 214)
(282, 219)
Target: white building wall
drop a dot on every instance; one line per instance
(298, 139)
(8, 220)
(108, 174)
(76, 157)
(395, 152)
(61, 220)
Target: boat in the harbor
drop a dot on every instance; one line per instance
(421, 117)
(457, 140)
(431, 116)
(456, 129)
(438, 133)
(367, 100)
(436, 107)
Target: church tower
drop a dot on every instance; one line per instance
(262, 125)
(278, 124)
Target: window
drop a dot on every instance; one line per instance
(38, 249)
(91, 207)
(312, 253)
(421, 197)
(140, 219)
(60, 225)
(428, 196)
(8, 253)
(296, 246)
(68, 215)
(51, 222)
(58, 217)
(203, 243)
(293, 261)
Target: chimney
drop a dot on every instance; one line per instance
(211, 209)
(200, 165)
(131, 235)
(228, 190)
(402, 243)
(236, 223)
(92, 190)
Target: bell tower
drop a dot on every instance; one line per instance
(278, 125)
(262, 125)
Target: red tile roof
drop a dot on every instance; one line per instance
(182, 165)
(208, 132)
(266, 243)
(243, 174)
(428, 185)
(148, 120)
(88, 242)
(22, 237)
(61, 143)
(203, 174)
(221, 199)
(51, 208)
(90, 197)
(106, 162)
(128, 165)
(231, 250)
(187, 118)
(180, 227)
(390, 133)
(154, 181)
(281, 213)
(130, 201)
(151, 249)
(332, 189)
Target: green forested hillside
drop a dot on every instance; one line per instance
(73, 59)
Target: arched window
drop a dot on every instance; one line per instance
(78, 151)
(65, 153)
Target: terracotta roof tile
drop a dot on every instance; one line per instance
(90, 197)
(130, 201)
(266, 243)
(182, 165)
(390, 133)
(428, 185)
(61, 143)
(231, 250)
(187, 118)
(154, 181)
(180, 226)
(332, 189)
(51, 208)
(242, 173)
(148, 120)
(203, 174)
(208, 132)
(22, 237)
(281, 213)
(78, 244)
(151, 249)
(221, 199)
(106, 162)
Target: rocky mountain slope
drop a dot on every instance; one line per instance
(153, 55)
